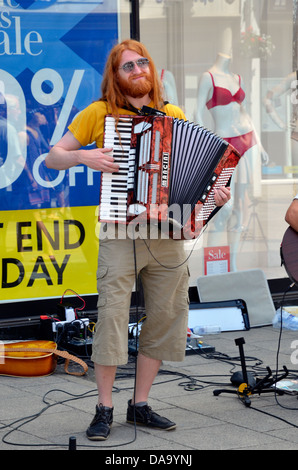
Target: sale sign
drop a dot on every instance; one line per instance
(216, 260)
(53, 55)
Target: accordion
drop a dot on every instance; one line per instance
(168, 170)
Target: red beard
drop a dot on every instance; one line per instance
(138, 88)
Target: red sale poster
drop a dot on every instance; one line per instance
(216, 260)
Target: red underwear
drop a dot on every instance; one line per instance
(242, 143)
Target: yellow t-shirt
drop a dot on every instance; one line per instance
(88, 125)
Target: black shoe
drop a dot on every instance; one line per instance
(99, 428)
(143, 415)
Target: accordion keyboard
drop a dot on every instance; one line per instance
(115, 186)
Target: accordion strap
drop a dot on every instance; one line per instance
(132, 108)
(145, 110)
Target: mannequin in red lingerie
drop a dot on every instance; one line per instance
(221, 92)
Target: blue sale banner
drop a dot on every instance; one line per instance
(52, 61)
(53, 54)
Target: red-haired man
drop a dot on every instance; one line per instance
(130, 81)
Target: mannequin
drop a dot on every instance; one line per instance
(222, 92)
(288, 84)
(169, 86)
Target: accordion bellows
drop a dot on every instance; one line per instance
(168, 171)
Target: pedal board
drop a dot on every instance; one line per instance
(198, 348)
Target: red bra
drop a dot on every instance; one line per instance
(222, 96)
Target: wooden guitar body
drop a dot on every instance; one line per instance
(289, 253)
(28, 358)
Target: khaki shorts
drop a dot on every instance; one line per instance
(165, 278)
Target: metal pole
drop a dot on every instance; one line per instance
(239, 342)
(135, 20)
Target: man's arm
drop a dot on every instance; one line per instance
(68, 153)
(291, 216)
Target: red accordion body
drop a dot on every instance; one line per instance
(168, 172)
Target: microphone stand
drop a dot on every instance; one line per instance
(245, 390)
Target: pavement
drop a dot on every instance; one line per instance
(53, 412)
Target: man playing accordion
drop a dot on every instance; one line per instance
(130, 81)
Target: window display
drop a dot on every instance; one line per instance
(250, 99)
(231, 65)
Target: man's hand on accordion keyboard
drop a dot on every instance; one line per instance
(100, 160)
(68, 153)
(222, 195)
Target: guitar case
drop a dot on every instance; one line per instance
(288, 253)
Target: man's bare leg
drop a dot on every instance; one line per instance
(141, 413)
(105, 377)
(99, 428)
(147, 369)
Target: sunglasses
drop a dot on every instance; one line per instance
(129, 66)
